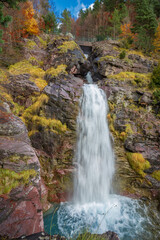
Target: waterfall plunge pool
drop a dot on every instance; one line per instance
(130, 219)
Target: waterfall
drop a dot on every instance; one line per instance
(93, 207)
(94, 153)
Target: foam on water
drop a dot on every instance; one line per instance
(130, 219)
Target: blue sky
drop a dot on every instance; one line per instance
(72, 5)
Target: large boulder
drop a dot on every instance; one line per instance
(20, 206)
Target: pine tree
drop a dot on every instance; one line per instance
(156, 7)
(110, 5)
(96, 7)
(50, 21)
(145, 25)
(66, 21)
(4, 20)
(116, 23)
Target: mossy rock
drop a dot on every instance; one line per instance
(26, 67)
(106, 58)
(10, 179)
(54, 72)
(15, 158)
(67, 45)
(138, 163)
(132, 76)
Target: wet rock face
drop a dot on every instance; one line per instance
(20, 206)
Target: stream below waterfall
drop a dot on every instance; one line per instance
(94, 207)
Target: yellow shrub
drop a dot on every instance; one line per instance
(138, 163)
(49, 124)
(122, 136)
(32, 132)
(122, 76)
(139, 53)
(105, 58)
(34, 109)
(54, 72)
(3, 76)
(156, 175)
(129, 129)
(43, 42)
(67, 45)
(41, 83)
(26, 67)
(30, 44)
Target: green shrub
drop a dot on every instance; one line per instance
(122, 55)
(156, 96)
(155, 78)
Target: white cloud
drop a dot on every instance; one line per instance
(91, 6)
(83, 7)
(78, 8)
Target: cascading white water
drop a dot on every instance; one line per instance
(94, 154)
(94, 208)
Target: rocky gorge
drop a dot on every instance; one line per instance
(39, 99)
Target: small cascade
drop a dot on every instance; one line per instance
(94, 153)
(89, 78)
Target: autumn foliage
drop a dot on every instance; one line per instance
(156, 42)
(23, 23)
(126, 31)
(30, 24)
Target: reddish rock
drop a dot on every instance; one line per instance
(25, 217)
(20, 209)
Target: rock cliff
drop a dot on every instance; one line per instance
(39, 98)
(133, 120)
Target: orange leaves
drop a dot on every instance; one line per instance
(28, 10)
(30, 23)
(156, 42)
(126, 31)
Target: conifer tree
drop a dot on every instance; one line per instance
(66, 21)
(50, 21)
(145, 25)
(116, 23)
(96, 7)
(110, 5)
